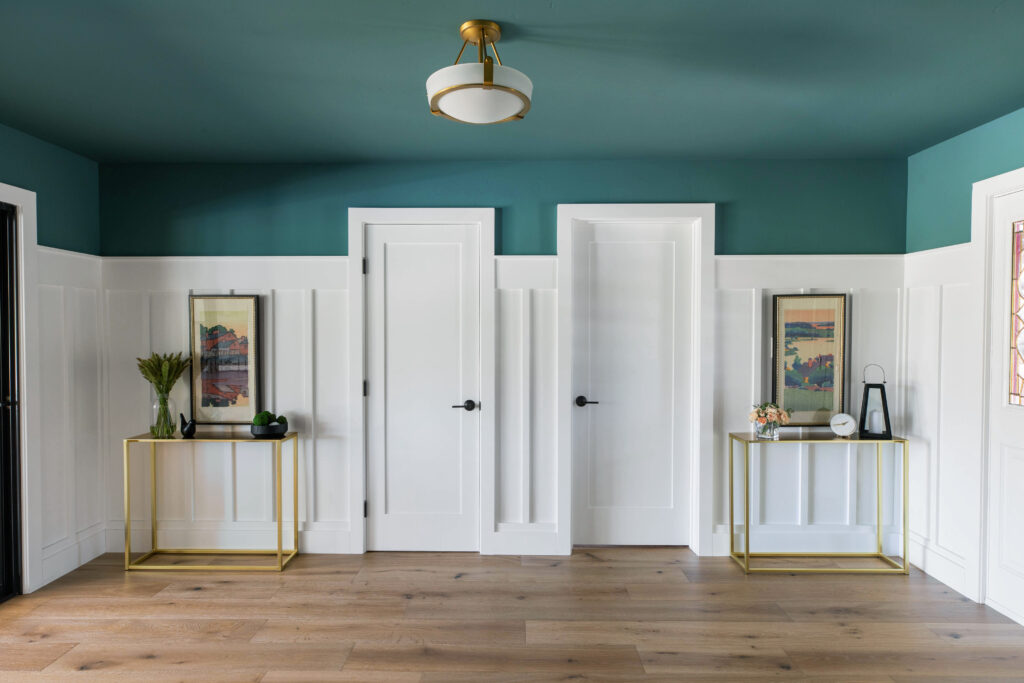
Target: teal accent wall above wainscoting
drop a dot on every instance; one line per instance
(939, 180)
(764, 207)
(66, 187)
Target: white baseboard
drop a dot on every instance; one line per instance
(1005, 611)
(940, 565)
(62, 558)
(524, 539)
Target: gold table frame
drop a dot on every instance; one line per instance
(743, 558)
(284, 555)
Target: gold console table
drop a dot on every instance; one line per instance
(283, 555)
(743, 557)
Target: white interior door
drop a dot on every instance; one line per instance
(631, 346)
(423, 357)
(1005, 561)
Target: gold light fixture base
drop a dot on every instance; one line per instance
(470, 31)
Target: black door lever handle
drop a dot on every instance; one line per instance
(469, 404)
(582, 401)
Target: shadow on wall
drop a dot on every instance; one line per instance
(764, 207)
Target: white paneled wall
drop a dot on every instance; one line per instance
(100, 314)
(944, 388)
(69, 314)
(809, 498)
(212, 495)
(526, 472)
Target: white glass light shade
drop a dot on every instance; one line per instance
(458, 92)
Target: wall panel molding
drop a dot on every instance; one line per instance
(70, 354)
(213, 495)
(526, 449)
(942, 401)
(140, 306)
(809, 499)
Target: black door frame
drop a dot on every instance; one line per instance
(10, 428)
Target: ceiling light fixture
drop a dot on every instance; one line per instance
(482, 91)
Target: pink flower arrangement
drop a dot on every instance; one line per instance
(770, 413)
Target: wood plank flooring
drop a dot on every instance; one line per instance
(603, 614)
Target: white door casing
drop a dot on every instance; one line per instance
(635, 293)
(425, 328)
(1003, 559)
(32, 576)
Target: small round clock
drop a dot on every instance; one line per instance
(843, 425)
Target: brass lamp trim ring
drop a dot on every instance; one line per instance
(436, 111)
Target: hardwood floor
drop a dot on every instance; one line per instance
(604, 614)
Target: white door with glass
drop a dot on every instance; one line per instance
(424, 386)
(1005, 562)
(631, 371)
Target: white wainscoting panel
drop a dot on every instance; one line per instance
(943, 404)
(219, 495)
(101, 314)
(809, 498)
(69, 314)
(526, 452)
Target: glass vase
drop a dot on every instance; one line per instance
(163, 426)
(768, 430)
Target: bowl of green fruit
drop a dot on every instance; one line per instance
(268, 426)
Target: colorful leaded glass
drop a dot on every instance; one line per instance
(1017, 316)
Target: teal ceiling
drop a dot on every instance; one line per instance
(332, 80)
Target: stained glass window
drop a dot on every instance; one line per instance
(1017, 316)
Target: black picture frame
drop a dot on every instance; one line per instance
(818, 418)
(254, 366)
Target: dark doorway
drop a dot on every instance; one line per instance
(10, 502)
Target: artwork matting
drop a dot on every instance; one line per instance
(224, 341)
(809, 345)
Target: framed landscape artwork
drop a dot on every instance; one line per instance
(809, 350)
(224, 342)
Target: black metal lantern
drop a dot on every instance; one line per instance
(874, 409)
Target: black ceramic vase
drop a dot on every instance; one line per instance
(188, 429)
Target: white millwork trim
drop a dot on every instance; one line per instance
(29, 387)
(358, 219)
(702, 290)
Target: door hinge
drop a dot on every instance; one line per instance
(366, 509)
(366, 387)
(365, 266)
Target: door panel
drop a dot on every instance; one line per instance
(1005, 562)
(423, 357)
(630, 349)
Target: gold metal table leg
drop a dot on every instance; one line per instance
(277, 499)
(127, 508)
(746, 507)
(295, 495)
(152, 495)
(732, 526)
(906, 506)
(878, 498)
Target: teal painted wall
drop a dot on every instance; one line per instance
(939, 180)
(66, 187)
(764, 207)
